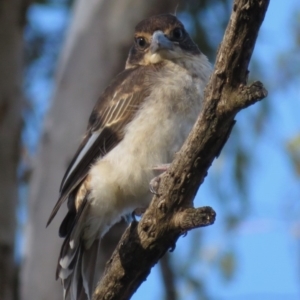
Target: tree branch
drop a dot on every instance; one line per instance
(171, 211)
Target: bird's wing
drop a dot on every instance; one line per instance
(113, 111)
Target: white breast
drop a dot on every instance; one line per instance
(120, 181)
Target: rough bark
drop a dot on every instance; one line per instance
(171, 212)
(96, 48)
(12, 16)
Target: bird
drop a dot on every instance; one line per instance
(136, 127)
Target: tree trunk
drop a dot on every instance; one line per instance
(96, 48)
(11, 25)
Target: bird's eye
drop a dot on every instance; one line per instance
(177, 33)
(141, 42)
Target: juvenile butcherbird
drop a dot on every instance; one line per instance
(140, 121)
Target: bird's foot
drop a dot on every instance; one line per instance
(154, 184)
(161, 168)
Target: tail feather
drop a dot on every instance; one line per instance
(90, 271)
(73, 285)
(80, 277)
(77, 264)
(70, 248)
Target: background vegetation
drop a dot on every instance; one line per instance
(57, 56)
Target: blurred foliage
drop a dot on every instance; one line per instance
(44, 33)
(43, 43)
(293, 148)
(66, 3)
(288, 62)
(206, 21)
(288, 66)
(227, 263)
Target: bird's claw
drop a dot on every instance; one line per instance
(161, 168)
(154, 184)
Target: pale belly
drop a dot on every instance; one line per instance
(152, 139)
(120, 180)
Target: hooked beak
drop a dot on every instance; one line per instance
(160, 42)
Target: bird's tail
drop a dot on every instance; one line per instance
(77, 265)
(79, 273)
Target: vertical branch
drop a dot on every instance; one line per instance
(168, 277)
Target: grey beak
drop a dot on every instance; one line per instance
(159, 42)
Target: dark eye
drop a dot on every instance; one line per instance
(141, 42)
(177, 33)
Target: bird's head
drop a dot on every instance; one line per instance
(160, 38)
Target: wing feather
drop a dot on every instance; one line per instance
(93, 137)
(113, 111)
